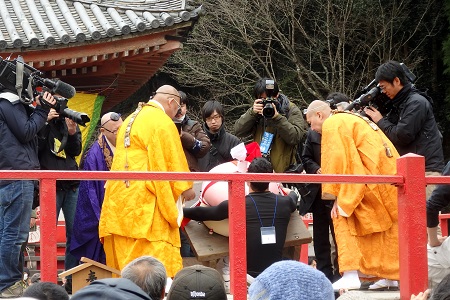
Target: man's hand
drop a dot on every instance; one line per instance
(275, 109)
(47, 97)
(334, 210)
(52, 114)
(32, 222)
(258, 106)
(373, 113)
(71, 126)
(188, 194)
(421, 295)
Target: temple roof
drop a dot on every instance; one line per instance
(39, 24)
(110, 47)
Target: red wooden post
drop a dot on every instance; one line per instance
(238, 248)
(412, 226)
(48, 230)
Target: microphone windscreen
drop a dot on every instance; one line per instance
(64, 89)
(60, 87)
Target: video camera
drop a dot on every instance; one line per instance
(61, 108)
(371, 95)
(23, 80)
(268, 110)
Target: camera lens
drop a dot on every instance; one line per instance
(268, 110)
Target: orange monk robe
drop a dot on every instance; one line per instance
(367, 239)
(142, 219)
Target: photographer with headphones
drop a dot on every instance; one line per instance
(19, 125)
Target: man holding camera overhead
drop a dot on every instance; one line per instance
(19, 124)
(274, 122)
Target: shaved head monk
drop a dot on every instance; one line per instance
(364, 215)
(140, 217)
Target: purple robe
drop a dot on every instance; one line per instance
(85, 241)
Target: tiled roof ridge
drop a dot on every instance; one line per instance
(44, 24)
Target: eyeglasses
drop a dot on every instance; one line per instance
(113, 117)
(215, 118)
(113, 132)
(179, 105)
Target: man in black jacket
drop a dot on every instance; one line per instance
(267, 219)
(410, 124)
(59, 144)
(19, 124)
(213, 115)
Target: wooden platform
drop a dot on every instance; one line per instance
(209, 248)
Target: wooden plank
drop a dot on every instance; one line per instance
(209, 247)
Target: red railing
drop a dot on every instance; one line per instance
(410, 180)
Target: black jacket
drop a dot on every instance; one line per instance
(57, 129)
(439, 199)
(311, 163)
(219, 153)
(19, 125)
(412, 128)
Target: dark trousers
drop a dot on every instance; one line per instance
(322, 224)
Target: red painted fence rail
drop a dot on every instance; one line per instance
(410, 180)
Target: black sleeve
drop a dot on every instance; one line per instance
(439, 199)
(293, 198)
(309, 164)
(74, 146)
(204, 213)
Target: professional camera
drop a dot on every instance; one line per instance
(268, 109)
(371, 95)
(63, 111)
(23, 80)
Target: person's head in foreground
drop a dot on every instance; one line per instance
(197, 282)
(149, 274)
(111, 288)
(289, 279)
(46, 291)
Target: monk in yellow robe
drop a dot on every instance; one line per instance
(140, 217)
(365, 216)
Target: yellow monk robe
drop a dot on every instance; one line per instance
(142, 219)
(367, 239)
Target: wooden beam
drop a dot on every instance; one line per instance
(102, 46)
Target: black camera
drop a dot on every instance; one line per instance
(23, 80)
(371, 95)
(61, 108)
(268, 109)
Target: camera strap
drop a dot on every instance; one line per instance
(19, 76)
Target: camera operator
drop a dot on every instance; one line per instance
(59, 144)
(278, 132)
(19, 125)
(410, 124)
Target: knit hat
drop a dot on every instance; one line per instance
(197, 282)
(289, 279)
(111, 288)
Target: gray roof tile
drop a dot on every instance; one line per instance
(46, 23)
